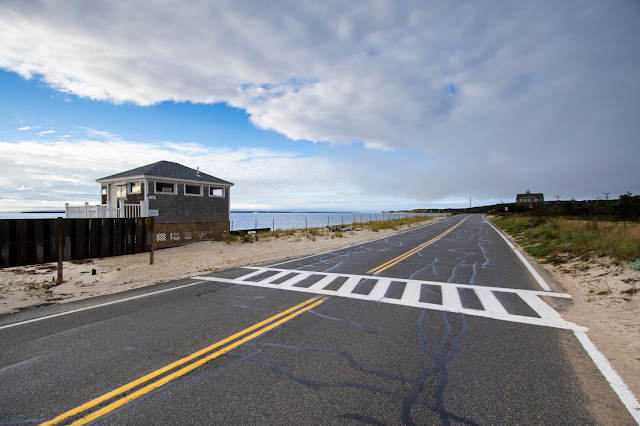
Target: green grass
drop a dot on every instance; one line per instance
(377, 225)
(314, 233)
(552, 239)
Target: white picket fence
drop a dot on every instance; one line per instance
(103, 211)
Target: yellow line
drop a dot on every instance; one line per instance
(189, 368)
(413, 251)
(184, 360)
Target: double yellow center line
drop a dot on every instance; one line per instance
(413, 251)
(156, 379)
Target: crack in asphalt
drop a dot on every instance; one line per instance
(355, 324)
(330, 261)
(316, 385)
(152, 351)
(464, 255)
(427, 389)
(362, 419)
(235, 305)
(441, 360)
(197, 372)
(441, 356)
(347, 356)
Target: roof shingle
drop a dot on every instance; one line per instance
(169, 170)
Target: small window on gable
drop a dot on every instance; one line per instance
(165, 188)
(134, 188)
(193, 190)
(216, 192)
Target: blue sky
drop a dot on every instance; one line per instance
(33, 102)
(332, 107)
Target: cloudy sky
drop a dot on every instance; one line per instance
(323, 105)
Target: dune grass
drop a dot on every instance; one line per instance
(555, 239)
(313, 233)
(377, 225)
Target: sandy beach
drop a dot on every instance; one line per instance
(27, 286)
(604, 293)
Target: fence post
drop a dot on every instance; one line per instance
(60, 249)
(151, 237)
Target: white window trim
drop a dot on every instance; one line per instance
(134, 183)
(126, 191)
(184, 189)
(175, 188)
(224, 192)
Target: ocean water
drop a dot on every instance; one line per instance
(290, 220)
(39, 215)
(271, 220)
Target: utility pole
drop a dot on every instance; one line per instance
(606, 195)
(469, 202)
(557, 198)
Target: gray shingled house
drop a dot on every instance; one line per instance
(530, 199)
(171, 192)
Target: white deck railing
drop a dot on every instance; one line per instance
(103, 211)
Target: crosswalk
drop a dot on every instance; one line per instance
(506, 304)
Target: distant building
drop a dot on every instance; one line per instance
(170, 192)
(530, 199)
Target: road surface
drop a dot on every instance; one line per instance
(442, 324)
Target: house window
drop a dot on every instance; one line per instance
(193, 190)
(121, 191)
(216, 192)
(134, 188)
(165, 188)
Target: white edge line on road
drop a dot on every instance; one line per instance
(601, 361)
(98, 306)
(359, 244)
(614, 379)
(541, 282)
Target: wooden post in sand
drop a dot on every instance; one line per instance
(151, 237)
(60, 249)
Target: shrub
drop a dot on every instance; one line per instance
(551, 237)
(229, 238)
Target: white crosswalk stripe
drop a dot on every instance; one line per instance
(451, 300)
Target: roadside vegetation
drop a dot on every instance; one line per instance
(336, 231)
(558, 239)
(378, 225)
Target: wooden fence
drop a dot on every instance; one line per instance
(34, 241)
(180, 234)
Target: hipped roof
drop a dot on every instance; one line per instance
(167, 170)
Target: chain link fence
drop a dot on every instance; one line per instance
(180, 234)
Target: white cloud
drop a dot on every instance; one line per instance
(545, 92)
(32, 170)
(36, 172)
(24, 128)
(46, 132)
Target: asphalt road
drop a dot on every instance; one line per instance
(438, 325)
